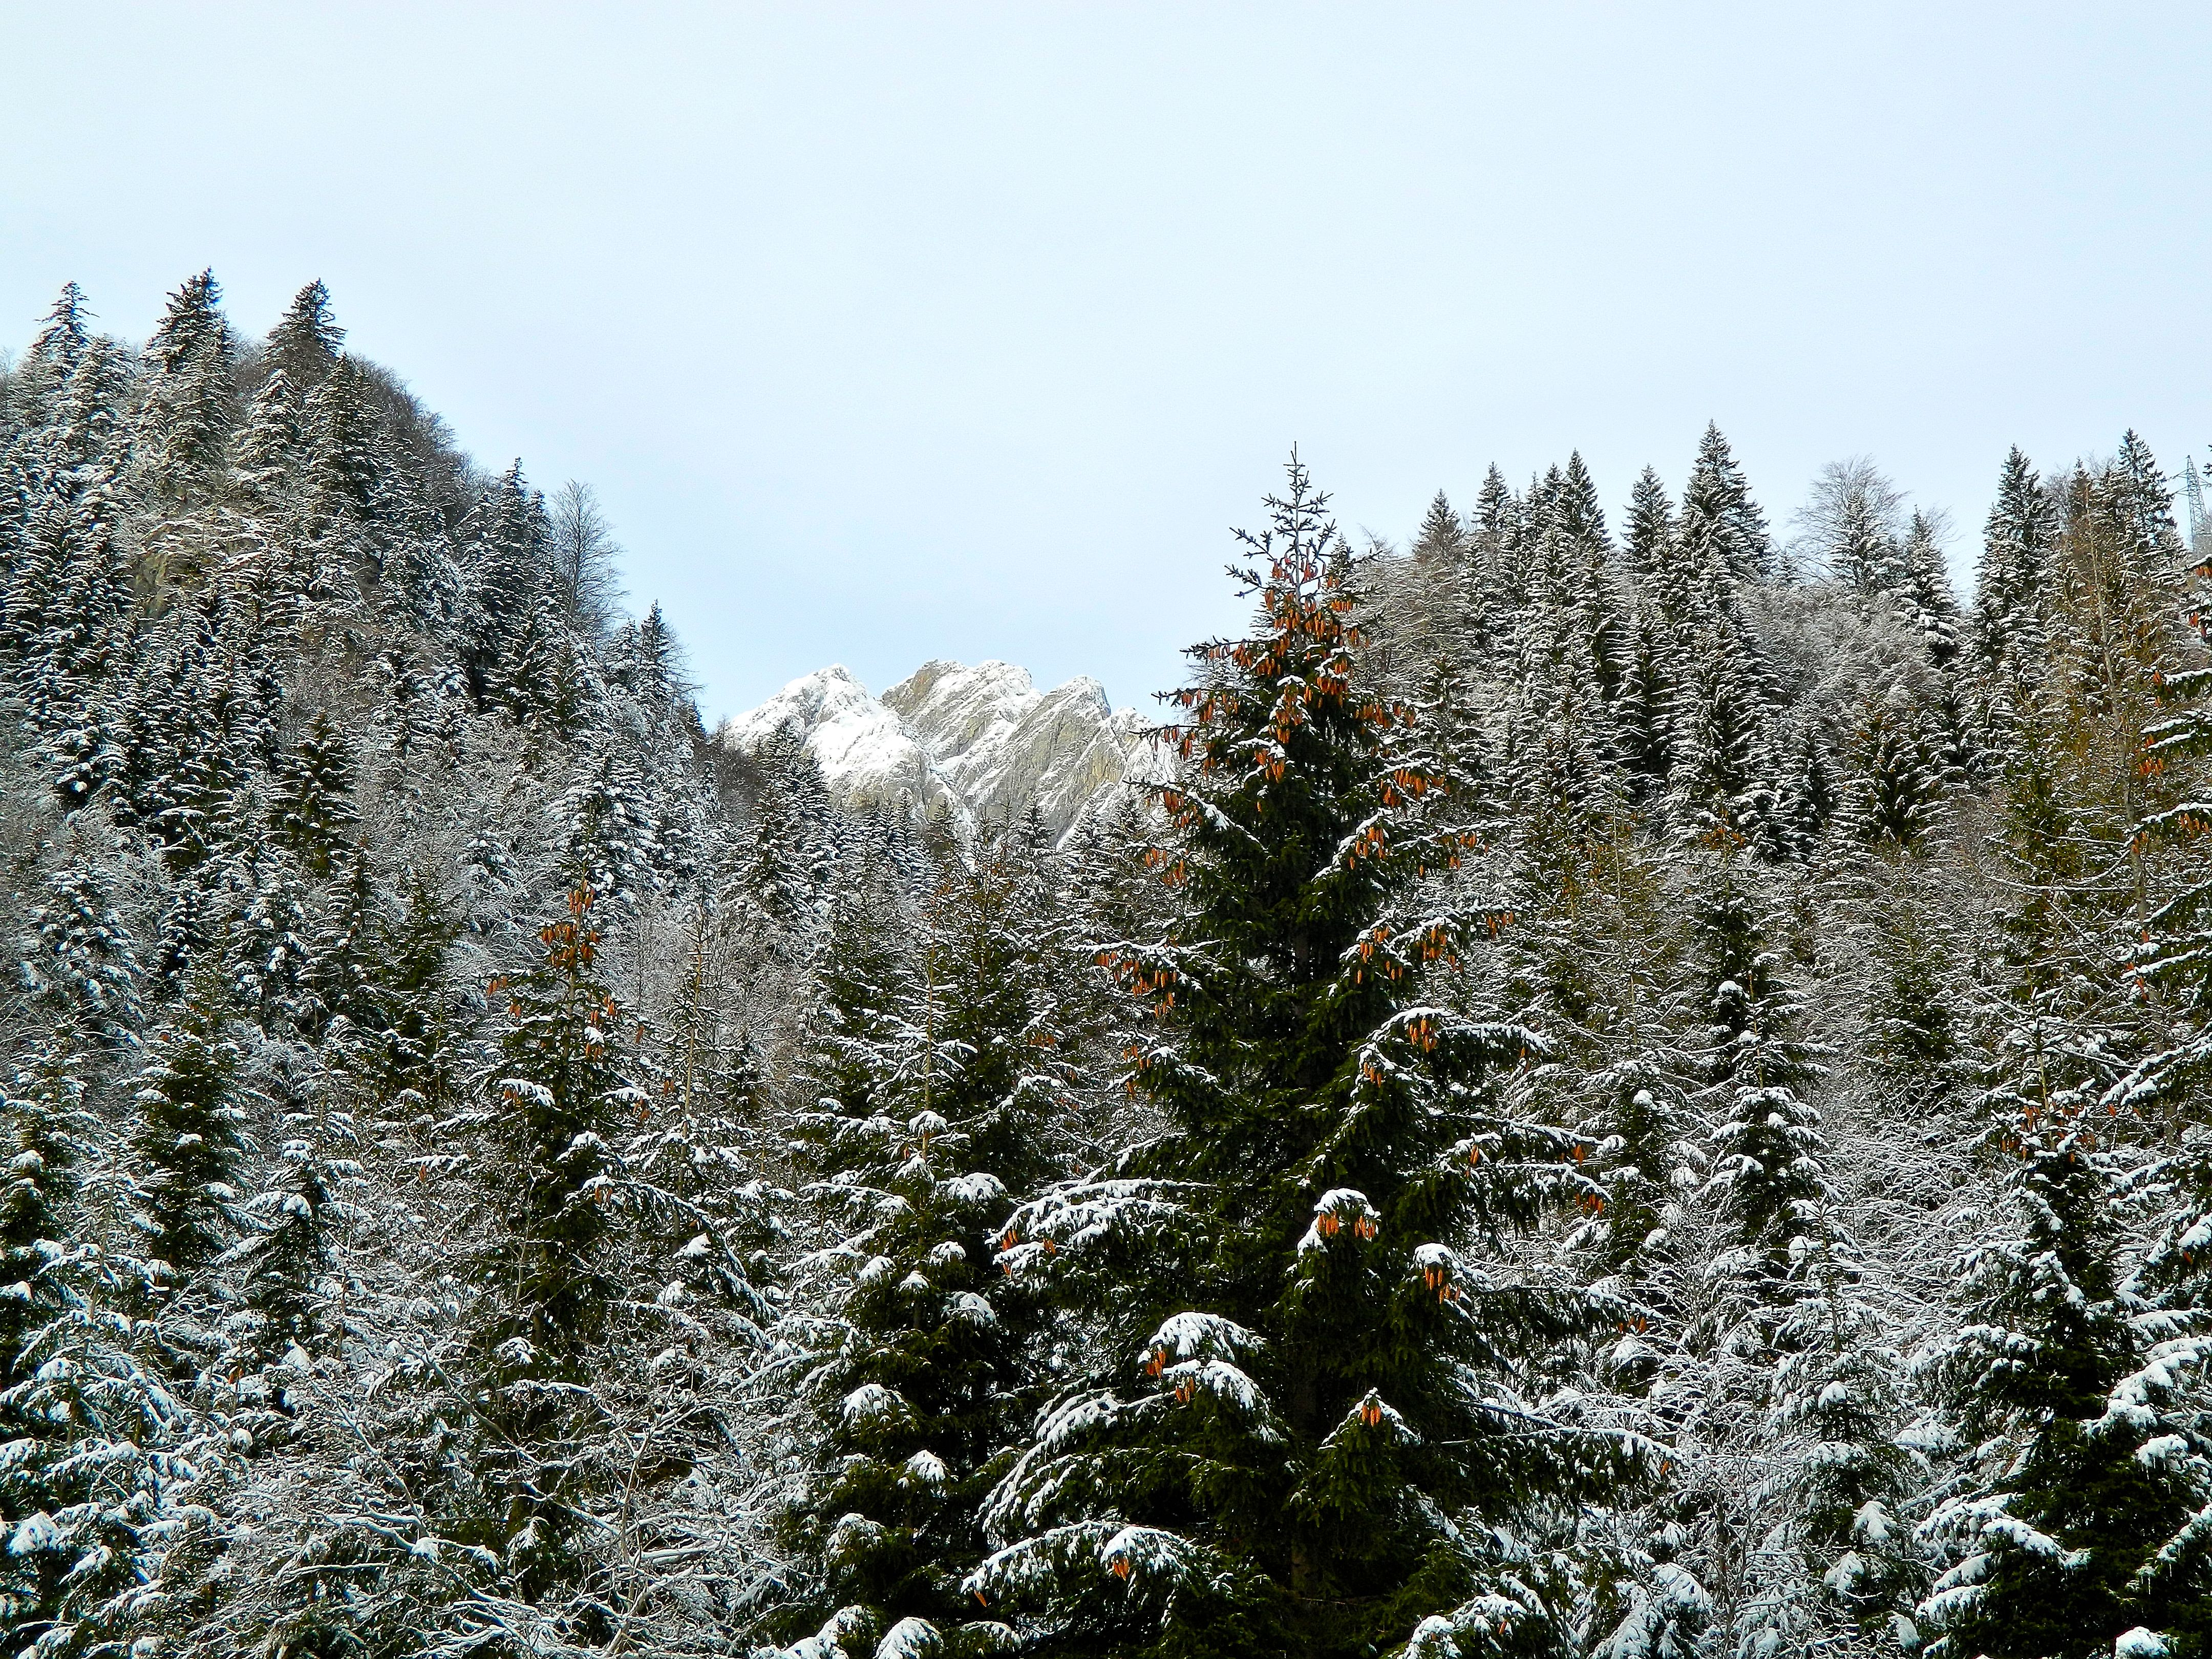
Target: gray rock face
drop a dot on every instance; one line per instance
(984, 740)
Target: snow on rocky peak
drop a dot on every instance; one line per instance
(984, 740)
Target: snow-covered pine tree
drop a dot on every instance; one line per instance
(1922, 589)
(184, 421)
(507, 536)
(544, 1267)
(99, 1456)
(1719, 522)
(2085, 1452)
(1643, 712)
(1722, 786)
(313, 814)
(335, 499)
(268, 450)
(79, 957)
(1920, 1040)
(289, 1255)
(189, 1137)
(306, 342)
(1766, 1175)
(1296, 1429)
(933, 1359)
(1898, 781)
(1661, 576)
(2177, 960)
(1839, 1560)
(2004, 652)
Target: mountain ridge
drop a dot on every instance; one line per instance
(981, 741)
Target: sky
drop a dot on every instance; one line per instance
(888, 333)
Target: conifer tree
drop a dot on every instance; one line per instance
(64, 333)
(289, 1253)
(306, 342)
(1721, 783)
(1643, 713)
(1897, 783)
(186, 422)
(508, 532)
(1766, 1178)
(1840, 1560)
(1720, 524)
(1661, 575)
(2086, 1464)
(2178, 934)
(313, 812)
(97, 1451)
(2005, 636)
(339, 488)
(1924, 590)
(190, 1136)
(1268, 1448)
(405, 1053)
(932, 1361)
(545, 1270)
(51, 1138)
(1919, 1025)
(1646, 1152)
(268, 446)
(80, 958)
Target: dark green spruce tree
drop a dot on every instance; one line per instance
(934, 1359)
(1296, 1427)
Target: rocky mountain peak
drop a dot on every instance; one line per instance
(982, 739)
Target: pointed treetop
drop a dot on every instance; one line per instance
(1441, 533)
(1718, 513)
(307, 341)
(1496, 510)
(193, 323)
(1577, 505)
(61, 340)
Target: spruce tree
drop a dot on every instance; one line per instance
(190, 1136)
(269, 444)
(98, 1453)
(1661, 574)
(185, 420)
(2004, 643)
(1297, 1429)
(1766, 1178)
(1840, 1560)
(1897, 783)
(1720, 523)
(2177, 936)
(1922, 589)
(306, 342)
(2086, 1465)
(932, 1362)
(544, 1118)
(80, 958)
(288, 1256)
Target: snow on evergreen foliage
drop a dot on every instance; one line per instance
(1634, 1094)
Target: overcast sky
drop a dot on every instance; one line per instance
(896, 333)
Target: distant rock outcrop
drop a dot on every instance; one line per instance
(982, 740)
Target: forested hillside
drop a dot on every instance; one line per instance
(1640, 1090)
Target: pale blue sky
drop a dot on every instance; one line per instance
(901, 332)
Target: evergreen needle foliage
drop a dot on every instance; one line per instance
(1629, 1091)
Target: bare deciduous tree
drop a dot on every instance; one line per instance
(585, 556)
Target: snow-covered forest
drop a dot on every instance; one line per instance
(1633, 1090)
